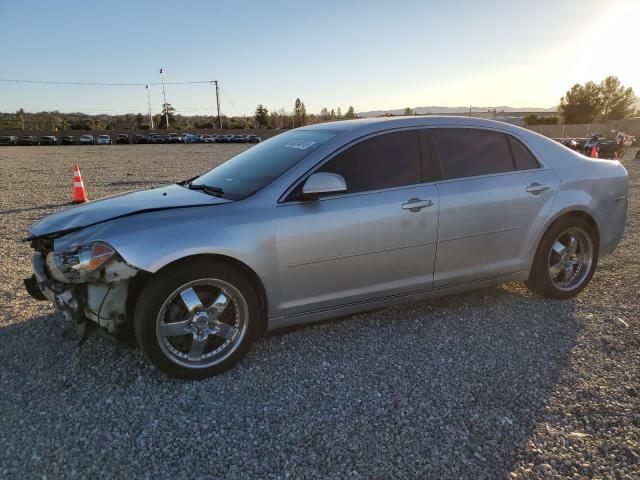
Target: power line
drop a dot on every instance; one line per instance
(103, 84)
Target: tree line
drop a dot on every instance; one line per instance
(263, 118)
(588, 103)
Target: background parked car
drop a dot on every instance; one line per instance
(225, 138)
(28, 140)
(253, 139)
(8, 140)
(103, 140)
(138, 138)
(67, 140)
(122, 138)
(189, 138)
(173, 138)
(48, 140)
(86, 140)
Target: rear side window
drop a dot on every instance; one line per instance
(467, 152)
(522, 157)
(385, 161)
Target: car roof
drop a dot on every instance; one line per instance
(370, 125)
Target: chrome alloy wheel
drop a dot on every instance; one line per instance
(570, 259)
(201, 323)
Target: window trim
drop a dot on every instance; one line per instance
(282, 199)
(435, 162)
(515, 166)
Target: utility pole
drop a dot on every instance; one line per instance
(164, 95)
(149, 103)
(218, 104)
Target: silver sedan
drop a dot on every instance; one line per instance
(323, 221)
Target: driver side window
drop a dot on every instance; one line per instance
(385, 161)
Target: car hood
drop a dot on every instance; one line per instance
(122, 205)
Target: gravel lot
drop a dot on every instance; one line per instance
(495, 383)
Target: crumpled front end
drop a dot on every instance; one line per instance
(90, 285)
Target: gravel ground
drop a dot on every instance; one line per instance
(495, 383)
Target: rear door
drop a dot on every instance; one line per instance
(494, 198)
(377, 240)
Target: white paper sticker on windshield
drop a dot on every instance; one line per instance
(300, 144)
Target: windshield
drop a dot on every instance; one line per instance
(249, 171)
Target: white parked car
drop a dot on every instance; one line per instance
(103, 140)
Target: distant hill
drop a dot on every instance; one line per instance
(450, 110)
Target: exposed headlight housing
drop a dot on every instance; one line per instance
(77, 263)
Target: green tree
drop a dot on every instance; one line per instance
(582, 103)
(20, 116)
(325, 115)
(617, 101)
(262, 116)
(167, 111)
(299, 113)
(351, 113)
(532, 119)
(408, 111)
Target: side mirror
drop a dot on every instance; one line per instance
(321, 183)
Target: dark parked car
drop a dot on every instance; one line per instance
(28, 140)
(138, 138)
(253, 139)
(156, 138)
(239, 139)
(122, 138)
(87, 140)
(48, 140)
(8, 140)
(67, 140)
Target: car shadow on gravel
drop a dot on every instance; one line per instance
(451, 387)
(464, 380)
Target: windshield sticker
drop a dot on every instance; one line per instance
(300, 144)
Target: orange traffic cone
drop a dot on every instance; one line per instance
(79, 194)
(594, 152)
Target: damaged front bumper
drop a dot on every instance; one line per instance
(101, 301)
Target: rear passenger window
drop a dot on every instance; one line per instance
(467, 152)
(385, 161)
(522, 157)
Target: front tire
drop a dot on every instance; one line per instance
(566, 259)
(197, 319)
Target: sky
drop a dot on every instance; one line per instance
(373, 55)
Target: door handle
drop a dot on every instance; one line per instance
(416, 204)
(536, 188)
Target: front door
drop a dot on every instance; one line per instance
(377, 240)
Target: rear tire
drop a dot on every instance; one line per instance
(197, 318)
(565, 260)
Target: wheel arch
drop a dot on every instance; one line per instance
(223, 259)
(563, 215)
